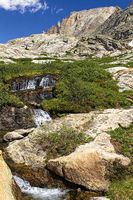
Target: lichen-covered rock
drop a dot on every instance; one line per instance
(8, 188)
(88, 165)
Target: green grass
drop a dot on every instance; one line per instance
(122, 189)
(122, 139)
(8, 99)
(61, 142)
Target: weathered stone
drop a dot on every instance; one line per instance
(88, 165)
(8, 188)
(17, 134)
(124, 76)
(12, 118)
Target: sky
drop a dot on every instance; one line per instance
(19, 18)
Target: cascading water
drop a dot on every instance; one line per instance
(40, 117)
(32, 83)
(39, 193)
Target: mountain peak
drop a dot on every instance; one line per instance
(83, 21)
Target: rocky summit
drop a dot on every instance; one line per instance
(83, 22)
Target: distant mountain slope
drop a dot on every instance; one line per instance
(119, 25)
(86, 21)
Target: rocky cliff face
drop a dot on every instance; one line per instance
(119, 25)
(83, 22)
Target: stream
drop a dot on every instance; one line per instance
(36, 193)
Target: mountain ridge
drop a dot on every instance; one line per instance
(105, 31)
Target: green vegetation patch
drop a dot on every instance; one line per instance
(61, 142)
(6, 98)
(121, 190)
(122, 139)
(81, 86)
(84, 86)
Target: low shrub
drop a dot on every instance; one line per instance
(61, 142)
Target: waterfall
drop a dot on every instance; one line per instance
(32, 83)
(40, 117)
(39, 193)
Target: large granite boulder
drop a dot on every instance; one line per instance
(8, 188)
(90, 165)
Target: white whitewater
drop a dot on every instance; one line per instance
(39, 193)
(40, 117)
(45, 82)
(32, 84)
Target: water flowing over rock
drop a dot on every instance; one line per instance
(8, 189)
(39, 193)
(32, 83)
(40, 117)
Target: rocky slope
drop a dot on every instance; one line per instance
(119, 25)
(99, 32)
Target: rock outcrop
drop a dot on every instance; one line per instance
(28, 158)
(119, 25)
(12, 118)
(17, 134)
(39, 45)
(80, 23)
(88, 165)
(8, 188)
(124, 76)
